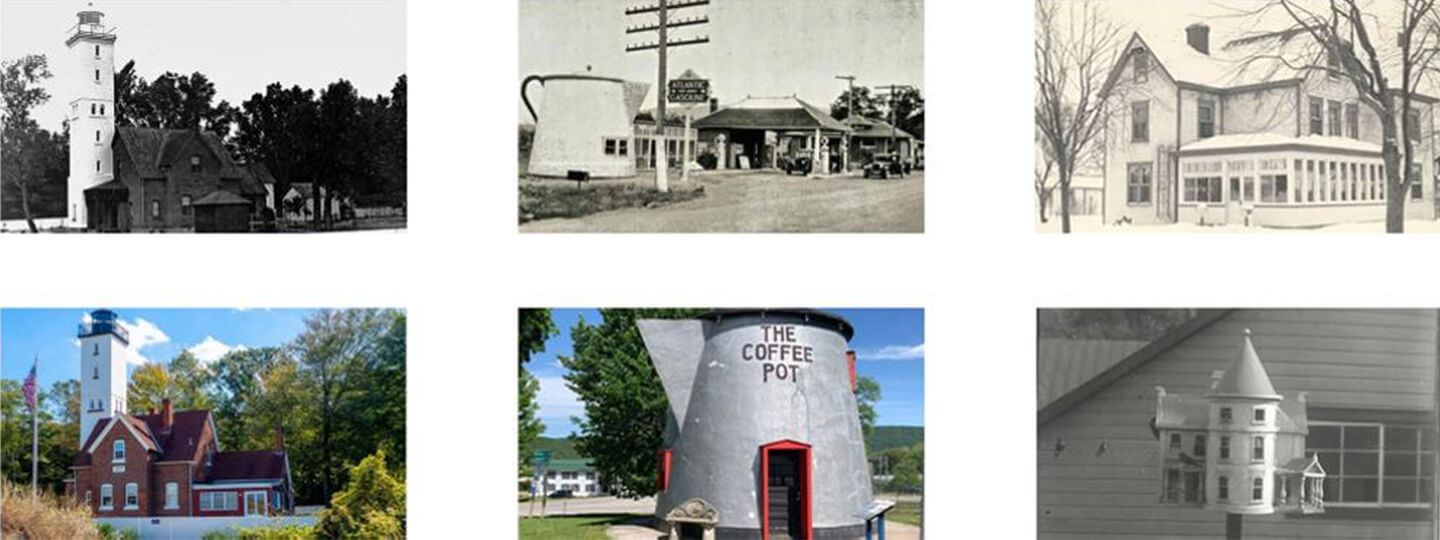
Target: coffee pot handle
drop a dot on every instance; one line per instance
(525, 84)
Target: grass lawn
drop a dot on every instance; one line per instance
(905, 512)
(568, 527)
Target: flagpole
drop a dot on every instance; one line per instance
(35, 440)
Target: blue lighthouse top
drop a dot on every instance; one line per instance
(104, 321)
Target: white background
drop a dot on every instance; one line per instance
(461, 269)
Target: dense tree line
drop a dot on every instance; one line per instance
(338, 391)
(33, 161)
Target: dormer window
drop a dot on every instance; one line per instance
(1142, 65)
(119, 451)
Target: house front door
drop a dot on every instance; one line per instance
(255, 503)
(786, 494)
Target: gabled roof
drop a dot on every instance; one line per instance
(1245, 377)
(180, 442)
(151, 148)
(1062, 364)
(871, 128)
(787, 113)
(1136, 359)
(220, 198)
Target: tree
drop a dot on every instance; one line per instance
(866, 105)
(372, 505)
(867, 393)
(1073, 58)
(236, 387)
(1348, 40)
(536, 326)
(150, 384)
(26, 151)
(625, 405)
(171, 101)
(341, 152)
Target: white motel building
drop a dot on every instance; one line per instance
(1216, 136)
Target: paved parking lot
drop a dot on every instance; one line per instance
(769, 201)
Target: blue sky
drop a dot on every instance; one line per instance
(155, 334)
(889, 343)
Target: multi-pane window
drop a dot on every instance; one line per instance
(1174, 441)
(1352, 120)
(1140, 121)
(1417, 182)
(1412, 124)
(616, 146)
(1257, 489)
(1260, 411)
(194, 164)
(218, 501)
(107, 497)
(1222, 488)
(1334, 111)
(1142, 66)
(185, 208)
(1137, 183)
(172, 496)
(1206, 118)
(119, 451)
(1257, 449)
(1370, 464)
(1199, 446)
(1225, 415)
(1203, 190)
(1224, 447)
(132, 496)
(1274, 188)
(1317, 116)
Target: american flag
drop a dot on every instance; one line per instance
(29, 387)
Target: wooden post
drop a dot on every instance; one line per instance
(662, 164)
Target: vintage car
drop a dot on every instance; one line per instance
(799, 164)
(884, 165)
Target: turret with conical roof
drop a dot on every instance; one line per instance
(1243, 410)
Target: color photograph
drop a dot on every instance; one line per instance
(203, 423)
(729, 423)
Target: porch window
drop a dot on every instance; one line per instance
(1206, 118)
(1203, 190)
(1334, 118)
(1137, 183)
(1374, 463)
(1344, 183)
(1274, 188)
(218, 501)
(1317, 116)
(1332, 182)
(1352, 120)
(1140, 121)
(1354, 183)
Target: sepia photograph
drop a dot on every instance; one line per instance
(724, 116)
(137, 116)
(1237, 116)
(203, 423)
(1237, 423)
(733, 423)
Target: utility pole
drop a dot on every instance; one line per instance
(662, 9)
(849, 112)
(892, 90)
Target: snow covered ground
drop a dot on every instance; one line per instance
(1081, 224)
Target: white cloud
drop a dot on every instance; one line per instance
(211, 349)
(896, 352)
(556, 400)
(143, 334)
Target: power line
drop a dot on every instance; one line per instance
(662, 27)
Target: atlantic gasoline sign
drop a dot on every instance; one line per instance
(689, 90)
(779, 354)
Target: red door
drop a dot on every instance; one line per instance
(785, 490)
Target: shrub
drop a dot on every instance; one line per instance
(288, 532)
(44, 516)
(372, 505)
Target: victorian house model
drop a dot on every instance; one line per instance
(1242, 133)
(166, 462)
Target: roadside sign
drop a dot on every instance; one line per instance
(689, 90)
(542, 457)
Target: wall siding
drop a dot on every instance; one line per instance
(1349, 359)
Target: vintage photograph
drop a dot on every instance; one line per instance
(725, 116)
(202, 423)
(1237, 116)
(1236, 423)
(133, 117)
(731, 423)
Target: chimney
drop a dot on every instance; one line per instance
(280, 438)
(1198, 36)
(850, 360)
(167, 414)
(714, 104)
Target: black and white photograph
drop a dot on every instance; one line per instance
(1237, 116)
(724, 116)
(205, 116)
(1237, 423)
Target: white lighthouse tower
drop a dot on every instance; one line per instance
(1242, 427)
(104, 349)
(92, 111)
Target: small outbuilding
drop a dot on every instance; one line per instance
(222, 211)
